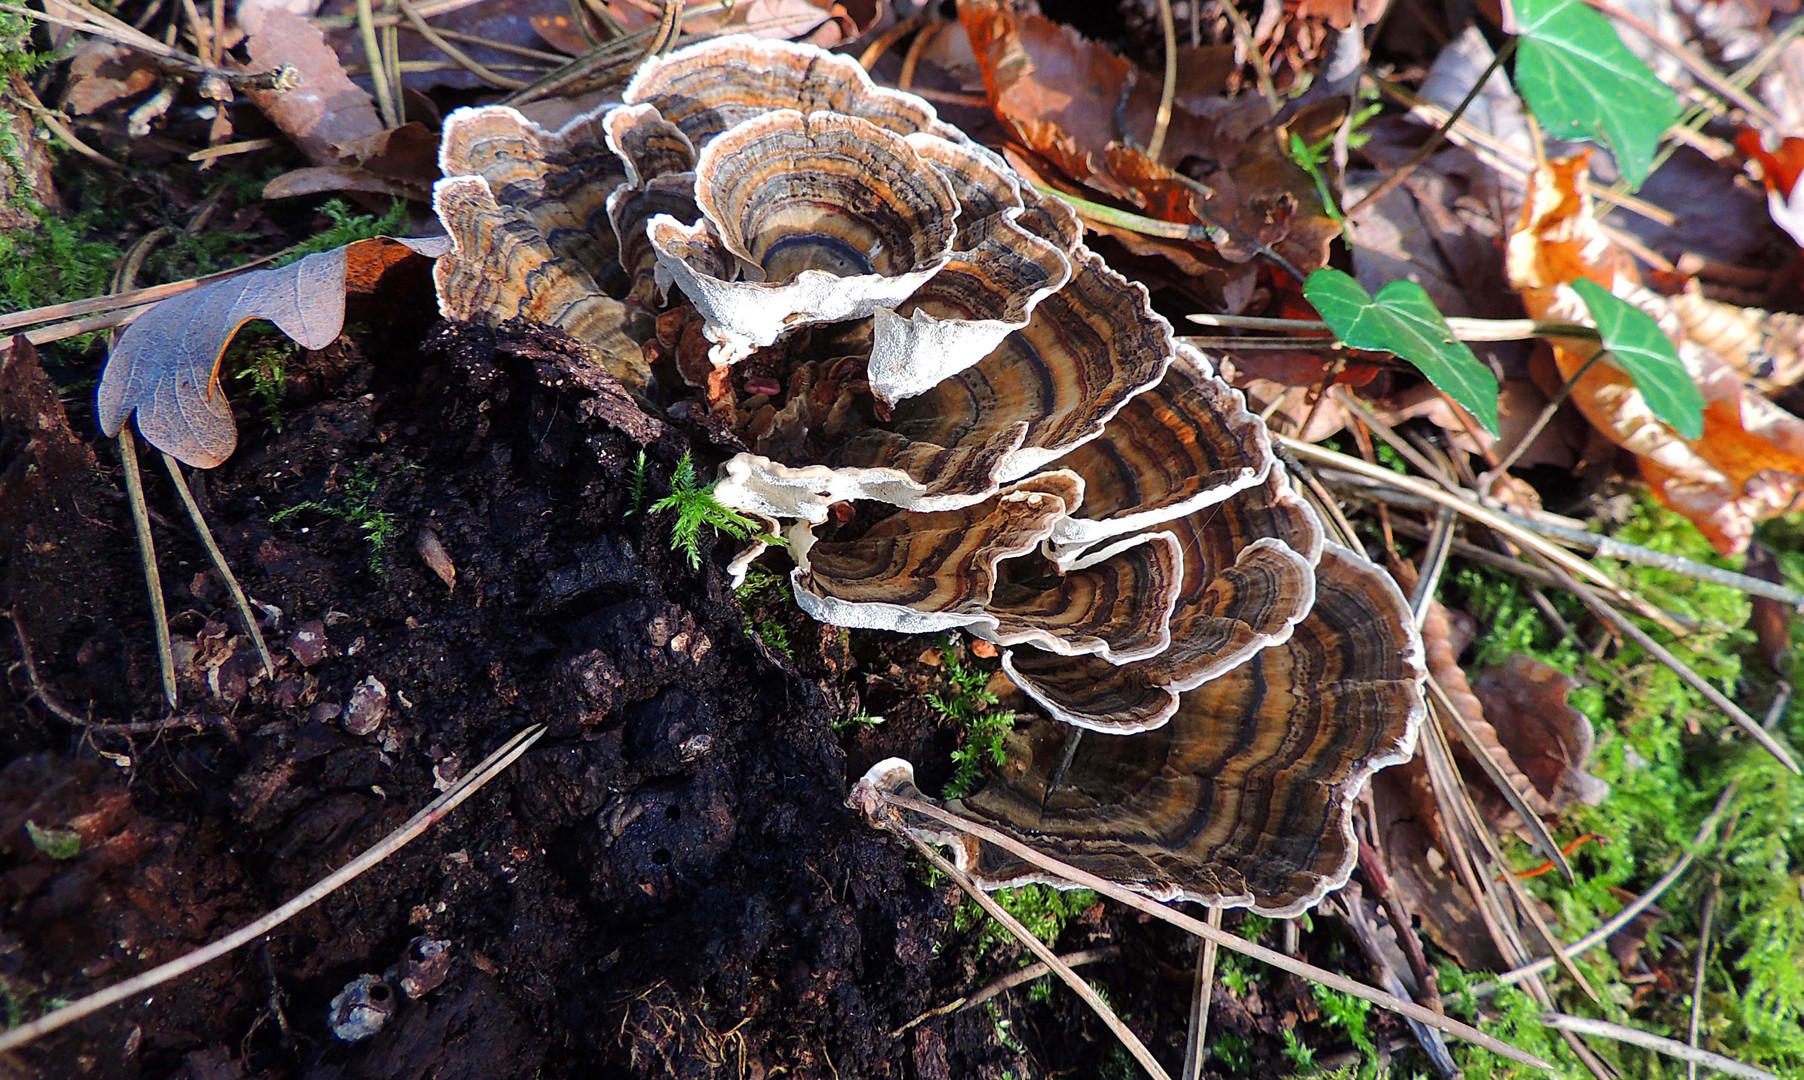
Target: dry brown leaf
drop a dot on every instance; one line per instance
(327, 113)
(1770, 619)
(1766, 346)
(316, 179)
(1444, 668)
(1749, 463)
(1549, 741)
(165, 367)
(101, 73)
(1080, 113)
(1407, 824)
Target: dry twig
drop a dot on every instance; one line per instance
(469, 785)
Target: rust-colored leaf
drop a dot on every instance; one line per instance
(1747, 466)
(1082, 112)
(327, 112)
(1547, 739)
(165, 367)
(101, 73)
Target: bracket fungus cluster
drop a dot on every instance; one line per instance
(962, 418)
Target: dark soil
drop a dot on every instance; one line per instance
(668, 883)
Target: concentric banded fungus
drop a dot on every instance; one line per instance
(829, 218)
(900, 324)
(987, 290)
(1248, 578)
(1245, 797)
(706, 89)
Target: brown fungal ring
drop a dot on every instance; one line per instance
(920, 328)
(825, 218)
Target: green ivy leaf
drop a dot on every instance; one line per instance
(1582, 82)
(1403, 320)
(1642, 349)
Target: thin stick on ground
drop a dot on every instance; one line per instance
(1427, 149)
(68, 716)
(1697, 979)
(1697, 682)
(147, 555)
(1673, 1048)
(1465, 329)
(1035, 970)
(471, 783)
(1228, 941)
(462, 59)
(1196, 1044)
(1006, 983)
(1472, 509)
(1554, 529)
(219, 563)
(378, 69)
(1646, 900)
(1040, 949)
(1168, 87)
(1534, 430)
(1262, 72)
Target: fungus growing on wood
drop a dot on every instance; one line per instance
(963, 419)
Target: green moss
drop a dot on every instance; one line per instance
(968, 703)
(1044, 910)
(348, 227)
(262, 362)
(55, 263)
(357, 505)
(1668, 756)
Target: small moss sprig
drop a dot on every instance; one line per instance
(968, 703)
(355, 506)
(696, 508)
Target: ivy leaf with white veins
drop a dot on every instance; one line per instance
(1642, 349)
(1582, 82)
(1402, 320)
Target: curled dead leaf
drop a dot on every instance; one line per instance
(1748, 464)
(1081, 112)
(165, 367)
(1549, 741)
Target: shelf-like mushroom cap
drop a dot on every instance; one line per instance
(966, 311)
(501, 267)
(558, 180)
(630, 208)
(921, 572)
(711, 86)
(825, 217)
(1183, 445)
(1248, 579)
(1051, 386)
(1245, 798)
(648, 145)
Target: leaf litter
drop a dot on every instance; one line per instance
(1690, 381)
